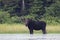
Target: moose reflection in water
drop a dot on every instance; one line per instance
(35, 25)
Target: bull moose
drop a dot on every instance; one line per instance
(35, 25)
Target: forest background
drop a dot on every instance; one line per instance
(12, 12)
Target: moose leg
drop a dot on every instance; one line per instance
(31, 31)
(44, 31)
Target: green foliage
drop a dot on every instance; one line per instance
(46, 10)
(15, 19)
(4, 16)
(52, 15)
(51, 20)
(37, 8)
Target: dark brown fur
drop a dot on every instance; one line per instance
(36, 25)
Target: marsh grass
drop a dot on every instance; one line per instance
(20, 28)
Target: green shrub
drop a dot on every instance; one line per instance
(4, 16)
(15, 19)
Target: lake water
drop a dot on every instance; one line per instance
(29, 37)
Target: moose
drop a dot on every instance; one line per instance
(35, 25)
